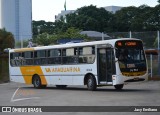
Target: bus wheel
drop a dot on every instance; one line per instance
(91, 83)
(61, 86)
(118, 87)
(37, 82)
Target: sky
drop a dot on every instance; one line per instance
(47, 9)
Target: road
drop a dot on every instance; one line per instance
(139, 94)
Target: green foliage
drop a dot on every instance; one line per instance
(71, 33)
(154, 18)
(91, 18)
(133, 18)
(43, 39)
(25, 43)
(123, 18)
(42, 27)
(4, 68)
(6, 40)
(142, 18)
(60, 26)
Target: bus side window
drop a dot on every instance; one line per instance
(70, 52)
(80, 51)
(15, 58)
(87, 50)
(40, 57)
(64, 60)
(71, 56)
(23, 59)
(28, 58)
(18, 59)
(12, 59)
(93, 50)
(54, 56)
(87, 55)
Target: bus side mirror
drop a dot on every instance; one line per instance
(6, 50)
(116, 60)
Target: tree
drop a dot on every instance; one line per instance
(158, 1)
(136, 19)
(124, 18)
(142, 18)
(71, 33)
(91, 18)
(19, 43)
(42, 27)
(154, 21)
(43, 39)
(60, 25)
(139, 23)
(6, 40)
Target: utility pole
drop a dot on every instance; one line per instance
(130, 34)
(102, 36)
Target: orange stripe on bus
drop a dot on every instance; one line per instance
(24, 49)
(28, 72)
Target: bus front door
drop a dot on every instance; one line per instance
(106, 65)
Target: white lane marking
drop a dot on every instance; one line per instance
(24, 99)
(14, 94)
(20, 99)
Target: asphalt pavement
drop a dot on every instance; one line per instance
(139, 94)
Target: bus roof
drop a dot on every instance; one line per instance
(111, 41)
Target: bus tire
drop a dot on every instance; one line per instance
(118, 87)
(91, 83)
(61, 86)
(37, 82)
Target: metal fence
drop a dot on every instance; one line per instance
(153, 65)
(150, 38)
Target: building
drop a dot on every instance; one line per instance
(112, 9)
(63, 13)
(16, 17)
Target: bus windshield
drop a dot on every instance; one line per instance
(130, 56)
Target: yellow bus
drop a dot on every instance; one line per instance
(99, 63)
